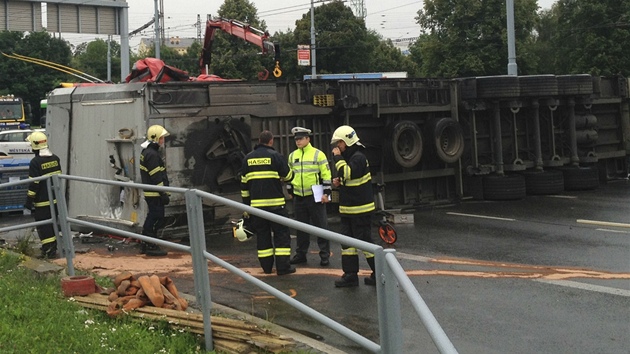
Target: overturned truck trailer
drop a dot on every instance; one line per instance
(428, 140)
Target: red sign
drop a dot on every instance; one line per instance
(304, 55)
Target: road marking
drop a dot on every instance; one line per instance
(602, 223)
(616, 231)
(562, 196)
(481, 216)
(589, 287)
(413, 257)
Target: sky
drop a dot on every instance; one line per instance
(393, 19)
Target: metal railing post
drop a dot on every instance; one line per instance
(62, 209)
(388, 299)
(200, 264)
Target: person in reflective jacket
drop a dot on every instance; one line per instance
(153, 171)
(356, 202)
(310, 170)
(262, 173)
(45, 163)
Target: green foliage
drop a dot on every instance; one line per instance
(233, 57)
(28, 80)
(468, 38)
(91, 58)
(36, 318)
(589, 36)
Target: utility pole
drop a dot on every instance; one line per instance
(313, 61)
(512, 68)
(109, 58)
(157, 31)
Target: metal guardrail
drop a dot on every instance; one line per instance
(391, 278)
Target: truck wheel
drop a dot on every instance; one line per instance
(508, 187)
(447, 139)
(543, 182)
(406, 144)
(580, 178)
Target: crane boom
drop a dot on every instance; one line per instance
(238, 29)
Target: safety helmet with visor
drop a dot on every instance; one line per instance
(347, 134)
(38, 140)
(155, 132)
(241, 232)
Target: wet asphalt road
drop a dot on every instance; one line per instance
(518, 277)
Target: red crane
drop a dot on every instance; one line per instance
(244, 31)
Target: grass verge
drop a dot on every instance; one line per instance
(35, 317)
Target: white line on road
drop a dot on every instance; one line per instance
(562, 196)
(412, 257)
(589, 287)
(617, 231)
(481, 216)
(602, 223)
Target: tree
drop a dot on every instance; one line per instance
(468, 37)
(591, 36)
(344, 44)
(91, 58)
(28, 80)
(233, 57)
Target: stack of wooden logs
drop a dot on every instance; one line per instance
(229, 335)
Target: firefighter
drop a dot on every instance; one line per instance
(45, 163)
(356, 202)
(262, 173)
(310, 170)
(152, 171)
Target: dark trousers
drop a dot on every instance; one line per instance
(155, 217)
(359, 227)
(46, 233)
(309, 212)
(270, 247)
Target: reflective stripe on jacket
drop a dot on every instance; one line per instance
(262, 173)
(152, 170)
(42, 166)
(310, 167)
(356, 195)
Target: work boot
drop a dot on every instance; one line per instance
(154, 250)
(371, 280)
(298, 259)
(347, 280)
(289, 270)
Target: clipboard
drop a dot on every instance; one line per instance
(318, 192)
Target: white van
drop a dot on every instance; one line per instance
(13, 143)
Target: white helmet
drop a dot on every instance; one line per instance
(38, 140)
(240, 231)
(347, 134)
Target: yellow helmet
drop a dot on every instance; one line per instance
(347, 134)
(38, 140)
(155, 132)
(241, 232)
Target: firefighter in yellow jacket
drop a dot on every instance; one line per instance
(262, 173)
(310, 169)
(45, 163)
(356, 202)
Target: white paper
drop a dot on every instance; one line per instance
(318, 192)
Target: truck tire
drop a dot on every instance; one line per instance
(538, 85)
(543, 182)
(446, 139)
(575, 85)
(406, 144)
(580, 178)
(508, 187)
(498, 86)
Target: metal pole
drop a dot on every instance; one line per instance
(124, 43)
(313, 59)
(66, 234)
(109, 58)
(157, 30)
(200, 263)
(512, 69)
(388, 302)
